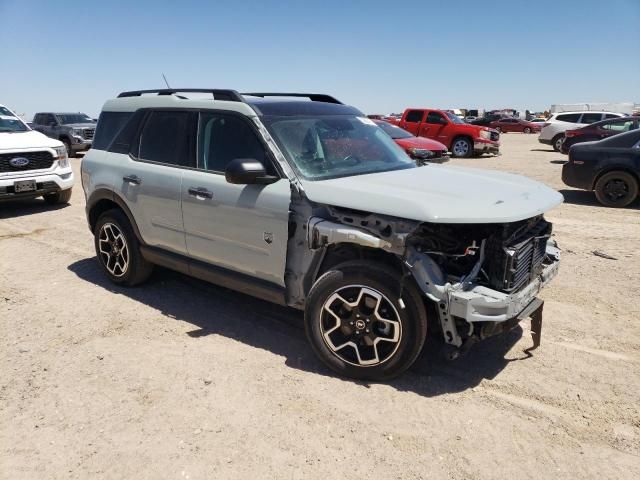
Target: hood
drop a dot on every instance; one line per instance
(438, 194)
(25, 140)
(420, 142)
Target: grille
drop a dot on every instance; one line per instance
(495, 136)
(518, 260)
(37, 161)
(88, 133)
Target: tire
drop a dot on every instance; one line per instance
(616, 189)
(526, 130)
(352, 347)
(67, 145)
(498, 129)
(63, 196)
(461, 147)
(127, 267)
(557, 142)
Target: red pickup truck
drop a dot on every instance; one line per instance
(462, 139)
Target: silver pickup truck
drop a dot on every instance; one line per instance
(307, 203)
(75, 130)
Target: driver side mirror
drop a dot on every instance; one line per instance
(443, 121)
(247, 171)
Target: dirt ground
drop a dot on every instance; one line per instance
(180, 379)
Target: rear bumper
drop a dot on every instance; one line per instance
(577, 176)
(61, 179)
(545, 141)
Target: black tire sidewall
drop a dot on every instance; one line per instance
(626, 177)
(137, 268)
(412, 319)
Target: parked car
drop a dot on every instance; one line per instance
(462, 139)
(419, 148)
(31, 164)
(515, 125)
(609, 167)
(598, 131)
(310, 204)
(470, 118)
(553, 129)
(486, 119)
(75, 130)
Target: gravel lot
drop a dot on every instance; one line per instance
(181, 379)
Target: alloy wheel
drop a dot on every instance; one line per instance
(616, 189)
(114, 250)
(461, 148)
(360, 326)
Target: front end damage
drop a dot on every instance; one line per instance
(483, 279)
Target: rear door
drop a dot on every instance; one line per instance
(243, 228)
(412, 121)
(151, 174)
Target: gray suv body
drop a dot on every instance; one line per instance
(75, 130)
(309, 204)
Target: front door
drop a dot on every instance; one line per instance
(435, 127)
(243, 228)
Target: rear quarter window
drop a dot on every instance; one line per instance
(109, 125)
(569, 117)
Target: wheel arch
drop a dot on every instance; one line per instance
(103, 200)
(614, 168)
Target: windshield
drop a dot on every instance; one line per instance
(454, 118)
(5, 111)
(336, 146)
(393, 131)
(9, 123)
(67, 118)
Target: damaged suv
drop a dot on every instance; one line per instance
(301, 200)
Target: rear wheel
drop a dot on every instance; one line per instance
(616, 189)
(557, 142)
(462, 148)
(361, 325)
(118, 250)
(62, 196)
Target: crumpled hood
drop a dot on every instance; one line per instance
(25, 140)
(439, 194)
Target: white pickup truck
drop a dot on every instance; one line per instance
(31, 164)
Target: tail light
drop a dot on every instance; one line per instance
(571, 133)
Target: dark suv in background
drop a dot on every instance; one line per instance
(75, 130)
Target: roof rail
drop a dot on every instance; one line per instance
(314, 97)
(229, 95)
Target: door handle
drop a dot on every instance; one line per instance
(200, 192)
(132, 179)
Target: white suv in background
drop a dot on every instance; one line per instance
(553, 129)
(31, 164)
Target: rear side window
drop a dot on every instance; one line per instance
(591, 117)
(166, 138)
(109, 124)
(619, 126)
(611, 115)
(414, 116)
(569, 117)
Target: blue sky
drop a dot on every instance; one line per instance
(380, 56)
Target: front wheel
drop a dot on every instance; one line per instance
(60, 197)
(67, 145)
(361, 324)
(462, 148)
(616, 189)
(526, 130)
(118, 250)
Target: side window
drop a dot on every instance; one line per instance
(610, 115)
(109, 124)
(569, 117)
(414, 116)
(591, 117)
(619, 126)
(434, 117)
(223, 138)
(165, 139)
